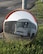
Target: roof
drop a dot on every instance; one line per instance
(15, 16)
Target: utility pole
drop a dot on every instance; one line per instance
(24, 4)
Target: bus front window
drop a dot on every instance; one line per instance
(22, 24)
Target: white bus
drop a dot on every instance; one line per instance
(20, 23)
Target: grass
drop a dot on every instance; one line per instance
(37, 10)
(18, 47)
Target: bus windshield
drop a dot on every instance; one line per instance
(22, 24)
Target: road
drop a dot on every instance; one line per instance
(13, 4)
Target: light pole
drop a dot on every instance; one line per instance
(24, 4)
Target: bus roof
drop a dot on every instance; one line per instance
(15, 16)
